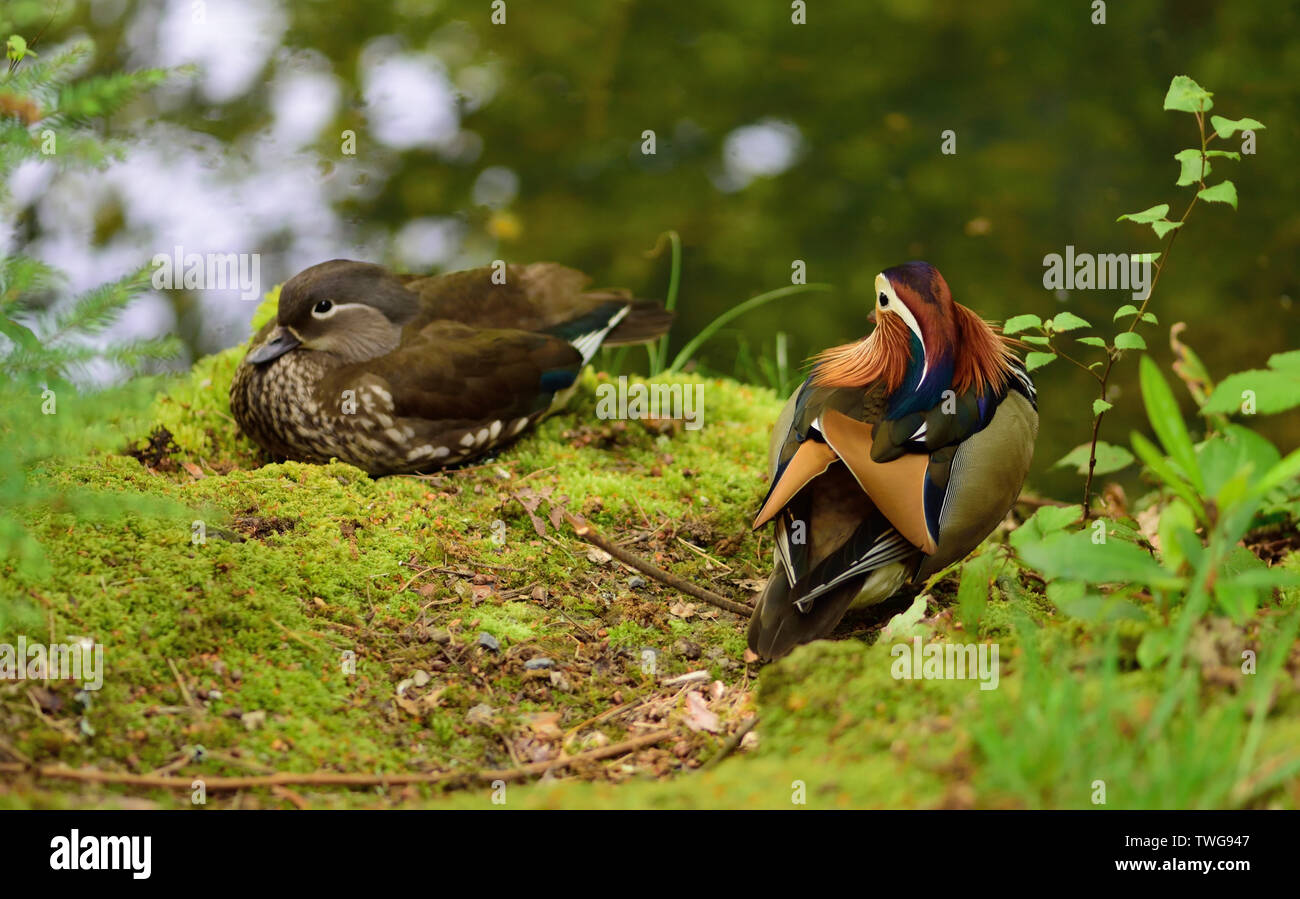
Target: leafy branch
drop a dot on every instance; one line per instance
(1184, 95)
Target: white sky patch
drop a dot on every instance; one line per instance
(427, 243)
(268, 192)
(409, 100)
(208, 199)
(230, 40)
(496, 186)
(303, 102)
(762, 150)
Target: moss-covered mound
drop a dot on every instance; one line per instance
(299, 618)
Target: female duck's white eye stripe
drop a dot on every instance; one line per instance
(329, 313)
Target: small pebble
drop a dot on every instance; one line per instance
(535, 664)
(480, 714)
(686, 649)
(488, 641)
(636, 583)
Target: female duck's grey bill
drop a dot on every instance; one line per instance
(281, 341)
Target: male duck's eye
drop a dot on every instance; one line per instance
(322, 307)
(884, 300)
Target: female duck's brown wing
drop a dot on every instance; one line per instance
(544, 297)
(451, 391)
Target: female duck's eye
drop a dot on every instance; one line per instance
(322, 307)
(884, 300)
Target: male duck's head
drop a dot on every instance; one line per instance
(352, 310)
(919, 332)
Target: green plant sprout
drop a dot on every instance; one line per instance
(1097, 456)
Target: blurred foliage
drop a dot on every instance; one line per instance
(1058, 122)
(47, 339)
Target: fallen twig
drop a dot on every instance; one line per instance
(732, 742)
(331, 778)
(584, 530)
(180, 682)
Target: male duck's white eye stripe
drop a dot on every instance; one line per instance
(898, 306)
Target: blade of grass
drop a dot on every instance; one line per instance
(659, 353)
(688, 351)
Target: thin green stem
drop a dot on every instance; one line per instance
(1113, 356)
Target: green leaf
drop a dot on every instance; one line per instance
(1070, 598)
(1236, 450)
(1225, 154)
(1154, 214)
(1144, 257)
(1191, 171)
(1018, 323)
(1151, 457)
(973, 590)
(1167, 420)
(1163, 228)
(1288, 361)
(1046, 521)
(1076, 557)
(1223, 192)
(906, 623)
(1130, 341)
(1150, 318)
(1100, 406)
(17, 48)
(1068, 321)
(1228, 127)
(1038, 360)
(1286, 471)
(1185, 95)
(1125, 310)
(1110, 458)
(1271, 392)
(1154, 648)
(1036, 340)
(1092, 341)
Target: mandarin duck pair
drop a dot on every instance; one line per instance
(896, 457)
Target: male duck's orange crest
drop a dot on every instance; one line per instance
(880, 356)
(983, 356)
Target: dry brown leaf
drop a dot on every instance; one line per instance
(699, 716)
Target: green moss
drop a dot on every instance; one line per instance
(306, 571)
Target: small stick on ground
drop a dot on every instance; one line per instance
(180, 682)
(584, 530)
(733, 742)
(333, 778)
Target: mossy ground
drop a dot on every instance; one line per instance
(306, 568)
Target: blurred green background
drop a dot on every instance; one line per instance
(775, 142)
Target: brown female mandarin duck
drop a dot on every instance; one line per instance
(400, 373)
(896, 457)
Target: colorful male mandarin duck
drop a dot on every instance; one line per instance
(403, 373)
(895, 458)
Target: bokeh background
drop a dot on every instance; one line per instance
(775, 142)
